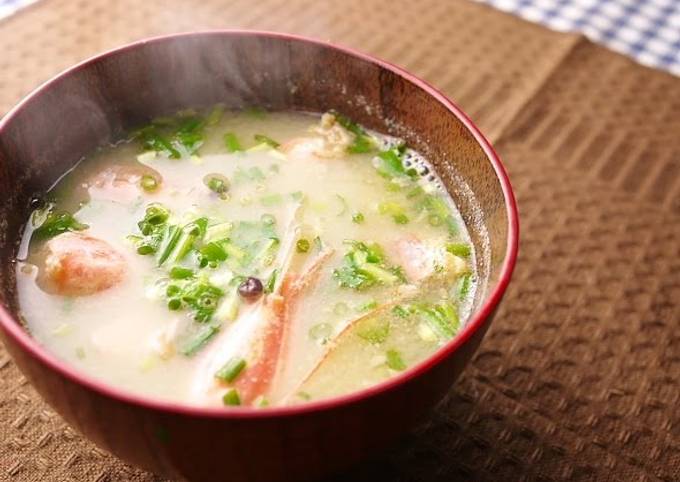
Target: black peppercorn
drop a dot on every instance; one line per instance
(251, 288)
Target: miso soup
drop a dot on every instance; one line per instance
(246, 258)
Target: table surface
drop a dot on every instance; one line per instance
(578, 377)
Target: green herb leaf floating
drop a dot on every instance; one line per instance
(57, 223)
(365, 266)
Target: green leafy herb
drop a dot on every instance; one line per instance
(365, 266)
(394, 360)
(231, 370)
(153, 140)
(441, 317)
(57, 223)
(232, 143)
(175, 137)
(362, 141)
(262, 139)
(231, 398)
(358, 218)
(390, 164)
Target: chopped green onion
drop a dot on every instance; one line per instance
(231, 370)
(459, 249)
(194, 344)
(149, 183)
(297, 196)
(179, 272)
(217, 184)
(172, 290)
(394, 360)
(174, 304)
(302, 245)
(231, 398)
(232, 143)
(358, 218)
(318, 243)
(261, 138)
(271, 282)
(213, 252)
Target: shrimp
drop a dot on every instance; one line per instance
(80, 265)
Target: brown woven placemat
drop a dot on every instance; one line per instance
(578, 377)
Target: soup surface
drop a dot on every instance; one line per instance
(246, 258)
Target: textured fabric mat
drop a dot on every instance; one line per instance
(578, 377)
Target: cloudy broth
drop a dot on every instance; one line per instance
(246, 258)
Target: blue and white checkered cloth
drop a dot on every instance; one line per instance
(646, 30)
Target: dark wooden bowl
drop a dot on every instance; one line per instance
(95, 102)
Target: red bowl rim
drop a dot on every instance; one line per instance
(21, 337)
